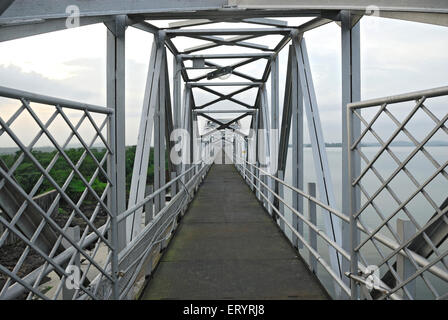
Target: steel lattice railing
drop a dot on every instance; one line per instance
(37, 229)
(419, 232)
(399, 262)
(53, 240)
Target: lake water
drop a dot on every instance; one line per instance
(420, 208)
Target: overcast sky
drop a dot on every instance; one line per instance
(397, 57)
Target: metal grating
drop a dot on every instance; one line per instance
(397, 199)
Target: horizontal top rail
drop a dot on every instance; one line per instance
(39, 98)
(226, 56)
(140, 204)
(236, 31)
(224, 84)
(429, 93)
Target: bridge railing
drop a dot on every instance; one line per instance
(74, 240)
(398, 178)
(423, 252)
(135, 261)
(72, 252)
(256, 178)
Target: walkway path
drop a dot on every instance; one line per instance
(228, 247)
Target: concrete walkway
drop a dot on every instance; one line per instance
(228, 247)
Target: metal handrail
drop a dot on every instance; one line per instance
(148, 198)
(430, 93)
(40, 98)
(423, 262)
(390, 243)
(318, 231)
(355, 136)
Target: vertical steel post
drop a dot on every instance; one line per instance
(297, 145)
(177, 93)
(274, 134)
(159, 142)
(405, 269)
(223, 146)
(143, 148)
(351, 92)
(116, 136)
(281, 206)
(312, 234)
(322, 169)
(354, 167)
(149, 206)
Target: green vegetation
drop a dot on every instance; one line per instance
(27, 173)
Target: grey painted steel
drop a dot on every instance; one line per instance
(405, 269)
(224, 84)
(322, 235)
(324, 182)
(429, 93)
(22, 19)
(116, 102)
(387, 5)
(150, 103)
(47, 9)
(149, 206)
(422, 236)
(39, 98)
(224, 32)
(275, 114)
(281, 206)
(177, 93)
(223, 111)
(225, 56)
(231, 41)
(159, 138)
(313, 219)
(411, 252)
(351, 91)
(50, 262)
(231, 242)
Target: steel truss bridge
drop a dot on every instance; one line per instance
(114, 257)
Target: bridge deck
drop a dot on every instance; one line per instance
(227, 247)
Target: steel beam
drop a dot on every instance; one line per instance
(5, 5)
(224, 84)
(159, 140)
(227, 32)
(313, 24)
(234, 72)
(224, 97)
(296, 101)
(217, 41)
(274, 133)
(324, 182)
(351, 92)
(177, 93)
(142, 152)
(16, 30)
(116, 101)
(213, 9)
(223, 111)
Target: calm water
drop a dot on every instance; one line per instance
(420, 209)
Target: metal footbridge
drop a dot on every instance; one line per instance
(216, 206)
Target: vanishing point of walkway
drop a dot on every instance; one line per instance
(228, 247)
